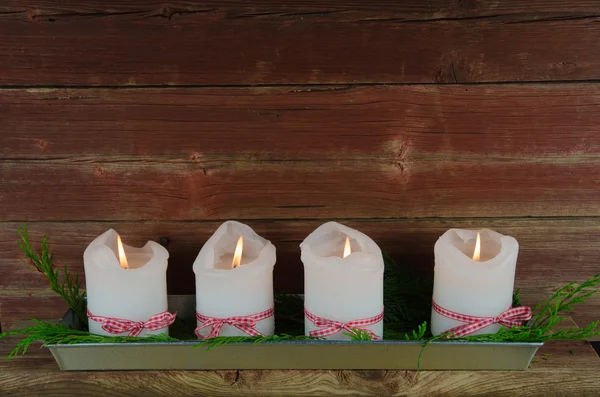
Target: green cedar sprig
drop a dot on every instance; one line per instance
(548, 315)
(52, 334)
(67, 285)
(563, 300)
(542, 327)
(225, 340)
(358, 334)
(419, 334)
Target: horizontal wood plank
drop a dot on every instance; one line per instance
(254, 190)
(203, 45)
(181, 154)
(553, 252)
(556, 373)
(334, 10)
(481, 123)
(28, 304)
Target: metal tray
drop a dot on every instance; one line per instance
(386, 354)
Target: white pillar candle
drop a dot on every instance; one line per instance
(482, 288)
(223, 291)
(135, 293)
(342, 288)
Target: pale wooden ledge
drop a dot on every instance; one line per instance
(561, 368)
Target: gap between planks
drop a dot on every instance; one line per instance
(313, 87)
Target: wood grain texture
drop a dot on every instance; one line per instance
(334, 10)
(27, 304)
(479, 123)
(174, 162)
(559, 374)
(553, 252)
(128, 191)
(199, 154)
(204, 45)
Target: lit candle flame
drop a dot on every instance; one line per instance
(237, 257)
(122, 257)
(347, 249)
(477, 252)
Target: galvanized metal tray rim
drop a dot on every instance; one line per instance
(306, 342)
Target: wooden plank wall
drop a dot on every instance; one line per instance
(400, 118)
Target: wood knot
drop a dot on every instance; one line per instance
(564, 67)
(167, 13)
(398, 150)
(468, 5)
(34, 16)
(258, 112)
(342, 376)
(99, 171)
(453, 69)
(231, 377)
(372, 375)
(42, 144)
(195, 157)
(411, 378)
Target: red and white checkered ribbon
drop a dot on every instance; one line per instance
(513, 317)
(330, 327)
(247, 324)
(114, 325)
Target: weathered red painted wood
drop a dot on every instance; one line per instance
(334, 10)
(553, 252)
(502, 123)
(277, 153)
(208, 47)
(40, 304)
(70, 189)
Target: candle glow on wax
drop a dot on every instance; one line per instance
(122, 257)
(234, 277)
(343, 278)
(237, 256)
(125, 282)
(474, 275)
(477, 252)
(347, 249)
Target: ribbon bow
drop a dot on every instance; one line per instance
(114, 325)
(512, 317)
(247, 324)
(329, 327)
